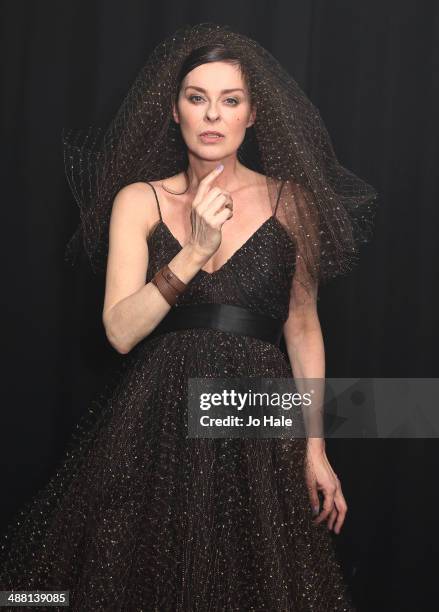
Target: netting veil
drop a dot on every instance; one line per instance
(326, 208)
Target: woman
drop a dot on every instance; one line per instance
(233, 233)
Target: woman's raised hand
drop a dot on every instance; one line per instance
(211, 207)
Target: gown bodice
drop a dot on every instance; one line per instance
(258, 275)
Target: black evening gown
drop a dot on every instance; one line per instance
(139, 517)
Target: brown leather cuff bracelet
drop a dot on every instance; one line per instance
(169, 285)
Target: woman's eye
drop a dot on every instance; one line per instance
(233, 100)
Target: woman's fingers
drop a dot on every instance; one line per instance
(328, 504)
(334, 509)
(216, 204)
(342, 509)
(314, 498)
(224, 215)
(332, 517)
(205, 183)
(210, 200)
(321, 477)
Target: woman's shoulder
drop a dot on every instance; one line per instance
(136, 196)
(136, 202)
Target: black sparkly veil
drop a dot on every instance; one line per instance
(327, 210)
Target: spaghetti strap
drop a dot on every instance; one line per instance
(278, 197)
(157, 200)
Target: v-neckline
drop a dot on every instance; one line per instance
(234, 254)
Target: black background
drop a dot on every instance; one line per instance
(372, 70)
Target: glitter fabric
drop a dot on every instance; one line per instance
(141, 518)
(326, 209)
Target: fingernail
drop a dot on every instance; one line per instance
(220, 167)
(315, 510)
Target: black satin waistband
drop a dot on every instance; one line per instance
(224, 317)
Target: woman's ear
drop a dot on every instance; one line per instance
(252, 117)
(175, 113)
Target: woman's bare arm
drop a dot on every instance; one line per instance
(306, 352)
(304, 342)
(132, 309)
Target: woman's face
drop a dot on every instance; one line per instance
(214, 97)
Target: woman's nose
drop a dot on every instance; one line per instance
(212, 113)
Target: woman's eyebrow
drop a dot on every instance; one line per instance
(222, 91)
